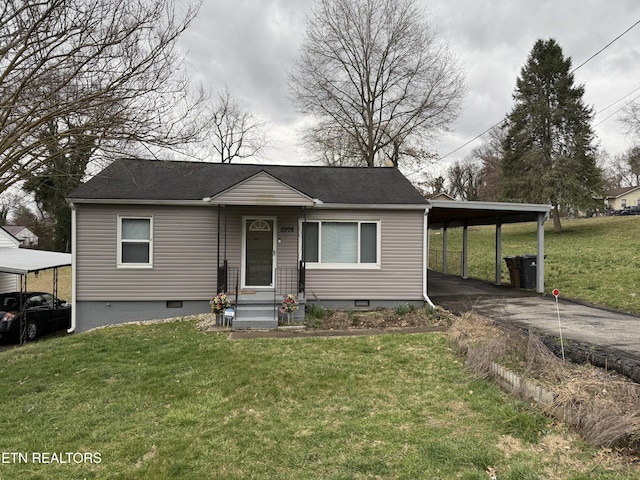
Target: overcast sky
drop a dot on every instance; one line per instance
(251, 44)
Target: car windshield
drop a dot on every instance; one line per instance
(9, 302)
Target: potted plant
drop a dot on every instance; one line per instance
(219, 304)
(288, 306)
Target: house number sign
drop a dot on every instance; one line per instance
(287, 229)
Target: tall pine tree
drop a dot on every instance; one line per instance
(550, 156)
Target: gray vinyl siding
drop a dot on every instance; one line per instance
(185, 246)
(262, 189)
(6, 241)
(8, 282)
(400, 276)
(184, 254)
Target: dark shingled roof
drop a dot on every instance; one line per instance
(127, 179)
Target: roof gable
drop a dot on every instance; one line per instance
(262, 189)
(618, 192)
(7, 239)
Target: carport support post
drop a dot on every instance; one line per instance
(540, 253)
(498, 251)
(444, 249)
(465, 251)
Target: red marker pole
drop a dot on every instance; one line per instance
(556, 293)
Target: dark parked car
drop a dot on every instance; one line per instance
(632, 210)
(44, 313)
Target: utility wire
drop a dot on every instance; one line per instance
(614, 113)
(605, 47)
(619, 100)
(576, 68)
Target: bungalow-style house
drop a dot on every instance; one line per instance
(156, 239)
(619, 198)
(26, 237)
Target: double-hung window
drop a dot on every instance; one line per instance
(341, 244)
(135, 242)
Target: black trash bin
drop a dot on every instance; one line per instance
(513, 264)
(528, 271)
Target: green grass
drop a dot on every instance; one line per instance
(168, 401)
(593, 259)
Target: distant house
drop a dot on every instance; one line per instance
(27, 237)
(8, 281)
(619, 198)
(439, 196)
(155, 239)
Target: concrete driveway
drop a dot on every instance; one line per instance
(598, 331)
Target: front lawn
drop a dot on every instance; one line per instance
(169, 401)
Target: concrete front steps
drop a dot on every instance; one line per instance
(260, 310)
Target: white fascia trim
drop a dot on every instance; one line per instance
(497, 206)
(114, 201)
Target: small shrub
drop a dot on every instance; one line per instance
(315, 311)
(404, 308)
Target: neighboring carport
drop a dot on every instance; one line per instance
(445, 214)
(20, 261)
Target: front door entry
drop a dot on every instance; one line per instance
(259, 252)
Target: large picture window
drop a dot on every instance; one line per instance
(341, 244)
(135, 242)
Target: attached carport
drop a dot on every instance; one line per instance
(21, 262)
(445, 214)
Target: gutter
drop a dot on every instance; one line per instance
(425, 257)
(74, 311)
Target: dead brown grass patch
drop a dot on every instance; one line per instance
(604, 406)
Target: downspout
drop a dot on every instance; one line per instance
(74, 310)
(425, 257)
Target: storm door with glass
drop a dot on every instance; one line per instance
(258, 252)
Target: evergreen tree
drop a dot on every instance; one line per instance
(550, 156)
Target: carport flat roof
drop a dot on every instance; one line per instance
(22, 261)
(456, 213)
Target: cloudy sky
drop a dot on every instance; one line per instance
(251, 44)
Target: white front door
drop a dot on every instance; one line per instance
(258, 251)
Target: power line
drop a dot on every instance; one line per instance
(576, 68)
(605, 47)
(614, 113)
(619, 100)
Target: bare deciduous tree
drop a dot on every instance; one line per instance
(624, 169)
(237, 133)
(102, 71)
(464, 179)
(372, 70)
(490, 154)
(630, 119)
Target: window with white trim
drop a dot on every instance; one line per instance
(135, 242)
(340, 244)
